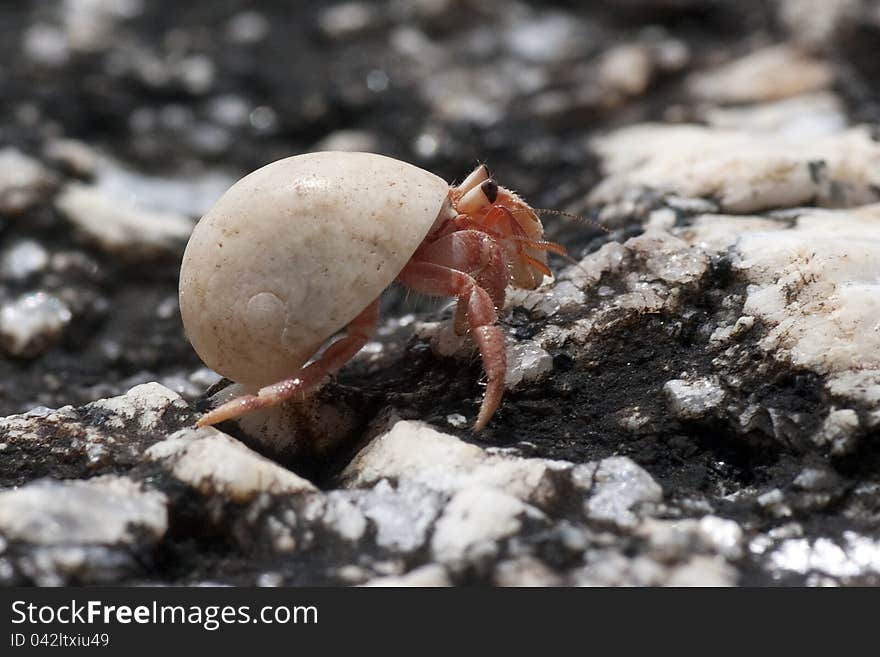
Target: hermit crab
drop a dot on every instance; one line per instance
(303, 247)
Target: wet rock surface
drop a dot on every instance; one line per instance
(693, 399)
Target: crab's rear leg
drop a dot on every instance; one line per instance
(439, 280)
(334, 357)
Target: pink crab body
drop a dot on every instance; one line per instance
(397, 222)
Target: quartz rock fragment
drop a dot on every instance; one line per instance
(23, 181)
(215, 464)
(692, 400)
(120, 228)
(744, 172)
(767, 74)
(32, 324)
(614, 487)
(98, 531)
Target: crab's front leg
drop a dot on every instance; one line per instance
(334, 357)
(475, 253)
(440, 280)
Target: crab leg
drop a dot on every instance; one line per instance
(515, 231)
(334, 357)
(476, 253)
(439, 280)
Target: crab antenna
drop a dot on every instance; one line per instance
(566, 256)
(586, 220)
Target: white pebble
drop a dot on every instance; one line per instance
(32, 323)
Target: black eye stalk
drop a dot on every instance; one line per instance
(490, 189)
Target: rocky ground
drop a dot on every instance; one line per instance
(694, 399)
